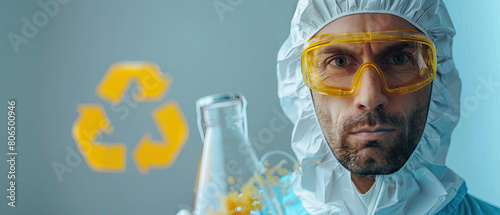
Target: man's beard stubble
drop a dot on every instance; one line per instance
(395, 151)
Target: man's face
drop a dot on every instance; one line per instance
(372, 133)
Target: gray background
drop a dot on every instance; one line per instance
(204, 53)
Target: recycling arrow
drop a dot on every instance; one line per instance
(174, 131)
(109, 157)
(150, 82)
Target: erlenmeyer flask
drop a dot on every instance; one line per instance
(230, 179)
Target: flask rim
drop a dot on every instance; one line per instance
(217, 98)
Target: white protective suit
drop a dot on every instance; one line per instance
(424, 185)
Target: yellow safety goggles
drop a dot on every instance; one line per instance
(404, 61)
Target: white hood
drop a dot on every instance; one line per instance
(424, 184)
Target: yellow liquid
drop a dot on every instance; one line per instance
(248, 199)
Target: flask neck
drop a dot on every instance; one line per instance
(224, 117)
(222, 112)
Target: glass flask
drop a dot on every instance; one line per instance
(230, 178)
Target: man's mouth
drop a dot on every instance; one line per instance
(370, 133)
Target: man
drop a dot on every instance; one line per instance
(374, 96)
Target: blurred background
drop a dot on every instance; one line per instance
(205, 47)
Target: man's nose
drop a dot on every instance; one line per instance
(369, 95)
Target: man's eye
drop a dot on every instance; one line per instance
(340, 61)
(398, 58)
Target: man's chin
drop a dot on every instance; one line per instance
(371, 170)
(370, 155)
(371, 161)
(375, 157)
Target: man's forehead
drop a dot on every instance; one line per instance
(366, 22)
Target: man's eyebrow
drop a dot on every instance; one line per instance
(335, 50)
(396, 47)
(349, 51)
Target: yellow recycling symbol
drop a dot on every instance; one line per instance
(148, 153)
